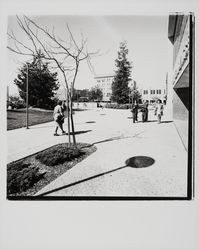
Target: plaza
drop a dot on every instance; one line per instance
(105, 173)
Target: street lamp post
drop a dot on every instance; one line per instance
(129, 98)
(27, 97)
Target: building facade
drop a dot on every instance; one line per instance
(152, 94)
(180, 34)
(104, 82)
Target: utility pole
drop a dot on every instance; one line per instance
(27, 97)
(129, 97)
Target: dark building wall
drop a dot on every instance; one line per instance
(179, 36)
(181, 113)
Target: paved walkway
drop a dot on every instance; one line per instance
(104, 173)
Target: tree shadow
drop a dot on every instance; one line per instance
(134, 162)
(90, 122)
(166, 121)
(139, 162)
(118, 138)
(79, 132)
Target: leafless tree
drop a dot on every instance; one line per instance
(65, 55)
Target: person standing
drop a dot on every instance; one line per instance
(159, 110)
(146, 111)
(134, 112)
(58, 118)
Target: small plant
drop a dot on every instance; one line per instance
(58, 155)
(118, 106)
(20, 177)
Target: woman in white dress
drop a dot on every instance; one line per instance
(159, 110)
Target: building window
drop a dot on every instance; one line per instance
(158, 91)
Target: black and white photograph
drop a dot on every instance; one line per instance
(100, 107)
(99, 125)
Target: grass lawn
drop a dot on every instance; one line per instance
(17, 118)
(27, 176)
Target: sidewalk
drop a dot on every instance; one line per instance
(104, 173)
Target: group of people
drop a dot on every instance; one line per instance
(59, 109)
(144, 109)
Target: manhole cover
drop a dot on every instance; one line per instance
(140, 162)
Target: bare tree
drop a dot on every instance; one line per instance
(65, 55)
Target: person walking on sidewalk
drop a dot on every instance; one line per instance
(159, 110)
(58, 116)
(134, 111)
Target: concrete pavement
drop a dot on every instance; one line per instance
(104, 173)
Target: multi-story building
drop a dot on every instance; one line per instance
(104, 82)
(180, 33)
(152, 94)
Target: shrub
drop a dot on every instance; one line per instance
(58, 155)
(20, 177)
(118, 106)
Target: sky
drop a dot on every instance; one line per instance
(146, 38)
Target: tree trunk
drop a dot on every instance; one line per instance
(68, 116)
(72, 123)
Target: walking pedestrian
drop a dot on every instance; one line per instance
(58, 118)
(63, 109)
(159, 110)
(143, 110)
(134, 111)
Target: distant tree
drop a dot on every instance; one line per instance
(95, 94)
(135, 95)
(42, 84)
(120, 89)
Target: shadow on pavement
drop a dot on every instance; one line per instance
(149, 121)
(135, 162)
(139, 161)
(90, 122)
(79, 132)
(118, 138)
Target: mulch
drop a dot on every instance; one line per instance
(50, 173)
